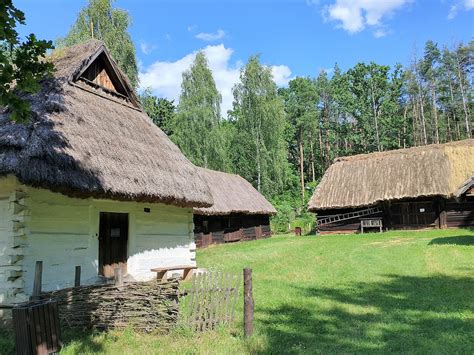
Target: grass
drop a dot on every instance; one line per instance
(374, 293)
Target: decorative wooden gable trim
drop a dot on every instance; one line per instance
(467, 188)
(101, 72)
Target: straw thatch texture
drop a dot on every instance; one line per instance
(84, 142)
(363, 180)
(233, 194)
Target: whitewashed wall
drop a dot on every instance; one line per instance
(12, 241)
(63, 232)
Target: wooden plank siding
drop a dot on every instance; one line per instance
(460, 214)
(228, 223)
(417, 214)
(97, 74)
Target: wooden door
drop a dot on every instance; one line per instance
(113, 241)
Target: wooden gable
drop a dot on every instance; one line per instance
(97, 74)
(102, 73)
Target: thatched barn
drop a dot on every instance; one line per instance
(90, 181)
(237, 205)
(421, 187)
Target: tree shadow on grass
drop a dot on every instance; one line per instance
(401, 314)
(84, 341)
(455, 240)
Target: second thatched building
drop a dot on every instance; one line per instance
(422, 187)
(239, 210)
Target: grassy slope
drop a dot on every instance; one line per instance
(400, 291)
(391, 292)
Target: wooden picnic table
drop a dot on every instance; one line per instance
(161, 271)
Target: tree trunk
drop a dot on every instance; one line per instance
(414, 121)
(453, 108)
(463, 96)
(405, 112)
(375, 111)
(435, 113)
(422, 111)
(301, 166)
(313, 173)
(321, 154)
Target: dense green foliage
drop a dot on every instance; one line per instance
(375, 108)
(282, 141)
(101, 21)
(22, 63)
(161, 111)
(396, 292)
(259, 149)
(196, 127)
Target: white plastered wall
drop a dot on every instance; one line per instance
(63, 233)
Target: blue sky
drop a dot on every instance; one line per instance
(295, 37)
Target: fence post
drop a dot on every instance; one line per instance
(38, 280)
(248, 303)
(118, 276)
(77, 276)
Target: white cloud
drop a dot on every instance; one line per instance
(146, 47)
(459, 6)
(281, 74)
(164, 78)
(379, 33)
(355, 15)
(210, 37)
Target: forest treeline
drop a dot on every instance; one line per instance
(280, 139)
(283, 139)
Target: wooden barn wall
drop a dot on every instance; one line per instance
(460, 214)
(228, 223)
(63, 233)
(415, 214)
(347, 226)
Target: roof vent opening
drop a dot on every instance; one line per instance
(101, 74)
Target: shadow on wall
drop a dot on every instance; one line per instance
(402, 314)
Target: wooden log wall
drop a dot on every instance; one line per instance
(460, 214)
(244, 234)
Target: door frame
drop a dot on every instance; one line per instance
(100, 246)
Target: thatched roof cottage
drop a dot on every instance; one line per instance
(91, 181)
(237, 204)
(410, 188)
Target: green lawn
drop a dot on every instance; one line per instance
(391, 292)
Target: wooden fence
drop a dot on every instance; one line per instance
(242, 234)
(211, 300)
(145, 306)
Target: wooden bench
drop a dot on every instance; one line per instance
(375, 222)
(161, 271)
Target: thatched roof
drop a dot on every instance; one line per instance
(87, 142)
(364, 180)
(233, 194)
